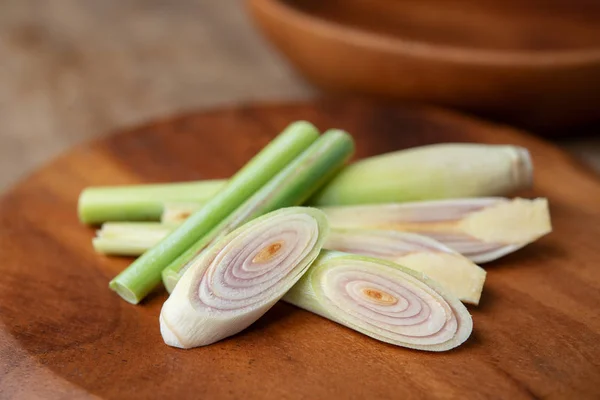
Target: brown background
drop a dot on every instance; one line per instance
(71, 70)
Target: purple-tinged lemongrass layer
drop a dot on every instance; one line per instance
(482, 229)
(383, 300)
(238, 279)
(454, 272)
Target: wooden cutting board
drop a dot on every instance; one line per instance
(63, 334)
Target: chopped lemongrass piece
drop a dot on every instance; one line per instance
(141, 202)
(238, 279)
(144, 274)
(292, 186)
(454, 272)
(482, 229)
(178, 212)
(129, 238)
(382, 300)
(438, 171)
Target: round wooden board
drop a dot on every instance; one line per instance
(63, 334)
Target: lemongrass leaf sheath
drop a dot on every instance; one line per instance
(241, 276)
(438, 171)
(455, 273)
(292, 186)
(141, 202)
(383, 300)
(144, 274)
(481, 229)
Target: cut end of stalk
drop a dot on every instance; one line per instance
(454, 272)
(510, 222)
(385, 301)
(124, 292)
(170, 280)
(522, 168)
(240, 277)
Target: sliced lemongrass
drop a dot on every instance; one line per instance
(455, 273)
(383, 300)
(482, 229)
(440, 171)
(144, 274)
(291, 186)
(238, 279)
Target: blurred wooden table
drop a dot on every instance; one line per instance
(72, 70)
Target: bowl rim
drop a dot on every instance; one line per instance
(390, 44)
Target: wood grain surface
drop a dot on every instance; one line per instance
(63, 334)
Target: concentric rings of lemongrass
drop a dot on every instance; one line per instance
(384, 301)
(233, 283)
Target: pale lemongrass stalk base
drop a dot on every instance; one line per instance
(129, 238)
(238, 279)
(383, 300)
(482, 229)
(455, 273)
(440, 171)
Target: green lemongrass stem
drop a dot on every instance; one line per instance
(141, 202)
(482, 229)
(242, 276)
(455, 273)
(383, 300)
(438, 171)
(421, 173)
(292, 186)
(144, 274)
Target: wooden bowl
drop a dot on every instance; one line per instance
(535, 63)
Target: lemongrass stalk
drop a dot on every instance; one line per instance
(129, 238)
(421, 173)
(141, 202)
(383, 300)
(144, 274)
(455, 273)
(244, 274)
(482, 229)
(292, 186)
(438, 171)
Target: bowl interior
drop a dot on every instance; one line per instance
(509, 25)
